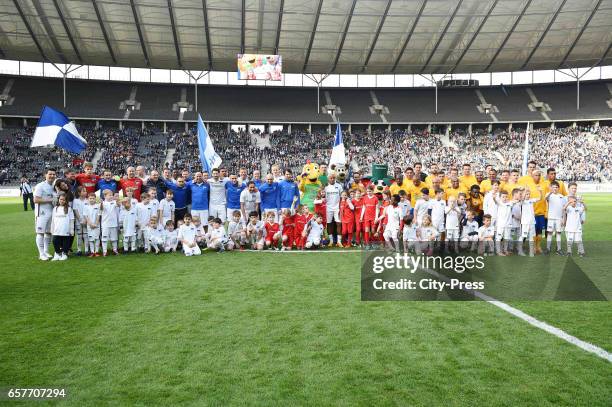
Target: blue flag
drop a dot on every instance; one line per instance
(338, 155)
(209, 158)
(54, 128)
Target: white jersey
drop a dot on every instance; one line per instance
(110, 214)
(45, 191)
(468, 228)
(405, 207)
(217, 234)
(316, 231)
(504, 215)
(516, 215)
(128, 218)
(573, 218)
(234, 227)
(250, 200)
(167, 208)
(92, 213)
(485, 232)
(453, 215)
(438, 209)
(171, 238)
(187, 233)
(79, 206)
(421, 207)
(145, 211)
(63, 222)
(410, 232)
(155, 233)
(556, 202)
(489, 206)
(217, 192)
(155, 205)
(394, 216)
(527, 212)
(427, 232)
(259, 229)
(332, 196)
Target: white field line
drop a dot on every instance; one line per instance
(559, 333)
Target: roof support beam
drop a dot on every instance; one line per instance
(174, 34)
(503, 44)
(550, 23)
(104, 33)
(65, 25)
(416, 21)
(467, 47)
(584, 26)
(346, 27)
(207, 34)
(140, 36)
(279, 25)
(242, 26)
(378, 29)
(49, 30)
(29, 28)
(312, 35)
(448, 23)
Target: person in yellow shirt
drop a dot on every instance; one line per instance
(503, 179)
(527, 178)
(455, 188)
(433, 173)
(414, 189)
(536, 188)
(551, 175)
(444, 181)
(437, 185)
(485, 185)
(479, 177)
(468, 179)
(512, 182)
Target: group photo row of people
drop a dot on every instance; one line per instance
(482, 210)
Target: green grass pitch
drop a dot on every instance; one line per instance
(278, 329)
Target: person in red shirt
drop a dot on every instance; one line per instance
(382, 219)
(88, 179)
(358, 205)
(368, 213)
(320, 207)
(347, 217)
(273, 234)
(288, 221)
(131, 181)
(301, 219)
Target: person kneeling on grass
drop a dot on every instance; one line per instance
(155, 234)
(170, 237)
(62, 227)
(217, 239)
(314, 232)
(273, 234)
(187, 236)
(237, 231)
(255, 232)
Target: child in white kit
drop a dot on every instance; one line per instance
(528, 220)
(217, 238)
(128, 217)
(453, 219)
(236, 230)
(556, 203)
(427, 235)
(155, 234)
(79, 205)
(469, 234)
(62, 227)
(109, 212)
(145, 210)
(409, 233)
(486, 235)
(438, 211)
(92, 220)
(170, 237)
(314, 232)
(572, 219)
(166, 208)
(187, 236)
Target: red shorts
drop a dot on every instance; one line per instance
(368, 223)
(271, 239)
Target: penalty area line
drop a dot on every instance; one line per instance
(559, 333)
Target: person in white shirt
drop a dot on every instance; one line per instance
(166, 208)
(489, 204)
(155, 235)
(427, 235)
(255, 231)
(187, 236)
(393, 214)
(503, 226)
(486, 234)
(170, 237)
(109, 213)
(128, 218)
(409, 233)
(438, 210)
(217, 238)
(404, 203)
(314, 232)
(332, 205)
(572, 220)
(80, 225)
(453, 218)
(62, 227)
(92, 220)
(218, 198)
(250, 199)
(469, 233)
(422, 206)
(145, 210)
(556, 202)
(236, 230)
(528, 220)
(44, 194)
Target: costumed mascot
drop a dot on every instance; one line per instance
(309, 184)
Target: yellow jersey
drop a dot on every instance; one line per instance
(468, 181)
(450, 191)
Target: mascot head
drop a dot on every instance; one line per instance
(380, 186)
(340, 170)
(311, 172)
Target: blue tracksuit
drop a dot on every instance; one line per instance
(288, 190)
(182, 196)
(200, 194)
(270, 196)
(233, 195)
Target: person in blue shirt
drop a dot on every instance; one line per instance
(289, 191)
(270, 197)
(233, 190)
(107, 182)
(257, 178)
(181, 198)
(200, 196)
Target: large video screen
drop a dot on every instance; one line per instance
(263, 67)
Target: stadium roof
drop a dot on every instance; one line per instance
(313, 36)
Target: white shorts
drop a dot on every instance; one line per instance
(43, 223)
(93, 233)
(156, 240)
(554, 225)
(528, 231)
(218, 211)
(191, 251)
(202, 214)
(273, 210)
(109, 233)
(390, 233)
(230, 213)
(439, 227)
(452, 234)
(332, 214)
(573, 236)
(313, 242)
(504, 233)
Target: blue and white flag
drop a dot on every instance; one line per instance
(209, 158)
(54, 128)
(526, 151)
(338, 155)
